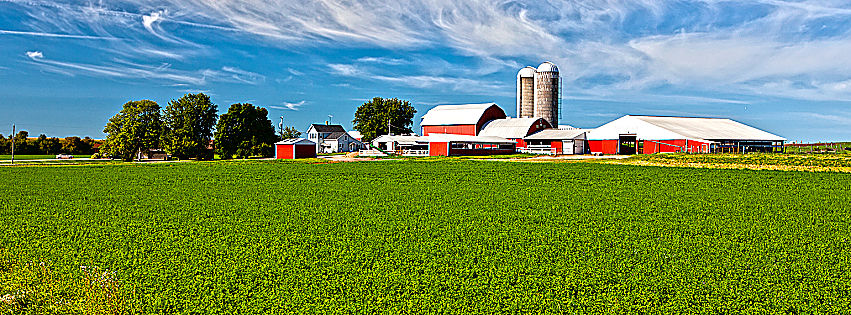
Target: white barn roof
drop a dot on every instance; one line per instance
(299, 141)
(668, 128)
(511, 128)
(557, 134)
(468, 114)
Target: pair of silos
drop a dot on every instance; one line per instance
(537, 92)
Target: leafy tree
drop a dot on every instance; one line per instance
(51, 146)
(188, 126)
(71, 145)
(136, 128)
(289, 133)
(4, 145)
(244, 131)
(21, 145)
(372, 117)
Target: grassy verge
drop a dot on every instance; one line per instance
(7, 157)
(795, 162)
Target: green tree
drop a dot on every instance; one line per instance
(244, 131)
(136, 128)
(52, 145)
(372, 117)
(188, 126)
(21, 145)
(71, 145)
(4, 145)
(290, 132)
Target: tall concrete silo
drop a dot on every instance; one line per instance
(546, 93)
(526, 92)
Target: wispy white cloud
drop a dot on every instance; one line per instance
(454, 83)
(770, 47)
(35, 54)
(382, 60)
(130, 70)
(288, 105)
(43, 34)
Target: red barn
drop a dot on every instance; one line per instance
(298, 148)
(657, 134)
(460, 119)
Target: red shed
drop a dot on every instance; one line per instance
(297, 148)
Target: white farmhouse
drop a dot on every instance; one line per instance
(332, 138)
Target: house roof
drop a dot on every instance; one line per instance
(328, 128)
(298, 141)
(511, 128)
(468, 114)
(336, 131)
(556, 134)
(694, 128)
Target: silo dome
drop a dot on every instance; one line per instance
(547, 67)
(528, 72)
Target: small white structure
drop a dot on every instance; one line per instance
(332, 139)
(556, 141)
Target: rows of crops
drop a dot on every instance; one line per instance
(439, 236)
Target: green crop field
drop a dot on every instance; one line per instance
(430, 236)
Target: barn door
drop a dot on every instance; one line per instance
(567, 147)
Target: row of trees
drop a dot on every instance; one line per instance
(44, 145)
(185, 128)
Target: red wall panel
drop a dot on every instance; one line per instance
(603, 146)
(659, 146)
(469, 130)
(438, 149)
(284, 151)
(558, 145)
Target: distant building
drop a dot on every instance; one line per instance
(332, 139)
(658, 134)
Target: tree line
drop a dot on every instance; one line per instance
(188, 127)
(47, 146)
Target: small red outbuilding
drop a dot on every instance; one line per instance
(297, 148)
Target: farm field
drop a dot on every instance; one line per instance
(447, 236)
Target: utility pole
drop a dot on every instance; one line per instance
(281, 127)
(13, 145)
(388, 126)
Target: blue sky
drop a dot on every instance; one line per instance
(783, 66)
